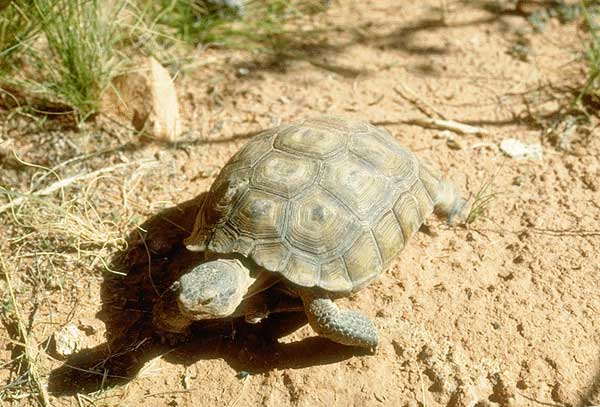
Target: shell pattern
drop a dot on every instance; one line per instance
(325, 202)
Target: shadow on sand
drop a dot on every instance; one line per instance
(156, 259)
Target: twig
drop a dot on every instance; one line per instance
(420, 103)
(63, 183)
(33, 373)
(441, 124)
(451, 125)
(143, 239)
(565, 232)
(541, 231)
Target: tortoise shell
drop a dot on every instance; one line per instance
(325, 202)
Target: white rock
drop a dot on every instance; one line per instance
(68, 340)
(519, 150)
(148, 99)
(238, 6)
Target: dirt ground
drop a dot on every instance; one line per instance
(504, 312)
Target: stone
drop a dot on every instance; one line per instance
(68, 340)
(463, 396)
(520, 151)
(236, 6)
(147, 98)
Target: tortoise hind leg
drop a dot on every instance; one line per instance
(450, 203)
(447, 201)
(345, 327)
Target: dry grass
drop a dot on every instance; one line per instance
(73, 218)
(22, 340)
(63, 223)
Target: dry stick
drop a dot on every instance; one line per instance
(65, 182)
(542, 231)
(451, 125)
(442, 122)
(564, 232)
(419, 102)
(149, 256)
(25, 338)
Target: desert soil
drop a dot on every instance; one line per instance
(504, 312)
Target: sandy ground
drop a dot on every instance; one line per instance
(505, 312)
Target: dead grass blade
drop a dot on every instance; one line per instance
(61, 184)
(29, 356)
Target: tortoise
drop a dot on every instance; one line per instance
(320, 206)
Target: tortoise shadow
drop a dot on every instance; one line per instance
(156, 258)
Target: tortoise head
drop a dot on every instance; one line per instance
(213, 289)
(210, 290)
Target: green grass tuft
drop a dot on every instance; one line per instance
(16, 28)
(189, 21)
(64, 53)
(81, 38)
(590, 87)
(264, 25)
(481, 202)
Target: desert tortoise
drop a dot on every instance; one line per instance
(322, 205)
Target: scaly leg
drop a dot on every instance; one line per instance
(345, 327)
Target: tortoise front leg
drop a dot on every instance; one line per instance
(346, 327)
(264, 304)
(255, 308)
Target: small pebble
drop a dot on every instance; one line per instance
(519, 150)
(454, 144)
(68, 340)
